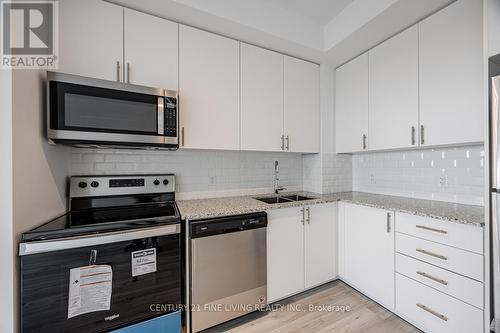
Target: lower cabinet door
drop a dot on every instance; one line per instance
(320, 244)
(369, 252)
(285, 253)
(432, 311)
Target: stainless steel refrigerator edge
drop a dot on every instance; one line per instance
(495, 190)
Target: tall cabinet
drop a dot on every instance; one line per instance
(451, 75)
(208, 90)
(352, 105)
(393, 92)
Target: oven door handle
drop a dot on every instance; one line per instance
(92, 240)
(161, 116)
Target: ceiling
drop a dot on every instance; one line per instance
(319, 11)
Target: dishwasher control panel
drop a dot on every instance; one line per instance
(228, 224)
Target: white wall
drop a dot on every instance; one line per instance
(445, 174)
(7, 247)
(40, 170)
(493, 26)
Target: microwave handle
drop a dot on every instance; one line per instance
(160, 115)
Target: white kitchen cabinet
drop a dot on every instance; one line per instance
(151, 50)
(393, 92)
(91, 39)
(301, 249)
(285, 253)
(301, 103)
(208, 90)
(320, 244)
(352, 105)
(451, 75)
(369, 252)
(261, 99)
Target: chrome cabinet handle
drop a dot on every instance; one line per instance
(303, 215)
(388, 222)
(443, 282)
(288, 143)
(308, 215)
(432, 312)
(422, 141)
(413, 135)
(283, 142)
(118, 71)
(432, 254)
(128, 72)
(182, 135)
(431, 229)
(364, 141)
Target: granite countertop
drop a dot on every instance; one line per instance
(460, 213)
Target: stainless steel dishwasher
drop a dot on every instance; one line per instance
(228, 266)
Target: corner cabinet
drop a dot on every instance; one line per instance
(367, 256)
(301, 251)
(351, 105)
(208, 90)
(451, 75)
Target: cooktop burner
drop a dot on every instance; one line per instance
(111, 204)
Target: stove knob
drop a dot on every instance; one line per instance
(82, 184)
(156, 182)
(94, 184)
(165, 181)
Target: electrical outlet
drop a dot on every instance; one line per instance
(212, 180)
(372, 179)
(443, 181)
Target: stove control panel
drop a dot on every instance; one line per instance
(93, 186)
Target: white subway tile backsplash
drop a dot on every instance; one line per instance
(210, 172)
(445, 174)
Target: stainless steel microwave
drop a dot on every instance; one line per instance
(91, 112)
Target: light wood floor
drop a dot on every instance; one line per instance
(364, 315)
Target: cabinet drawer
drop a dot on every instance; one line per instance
(459, 235)
(456, 260)
(465, 289)
(433, 311)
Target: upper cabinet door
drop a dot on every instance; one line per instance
(301, 98)
(451, 75)
(352, 105)
(151, 50)
(261, 99)
(91, 39)
(393, 90)
(208, 90)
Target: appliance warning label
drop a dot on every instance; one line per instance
(90, 289)
(143, 262)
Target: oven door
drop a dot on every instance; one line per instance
(84, 110)
(138, 293)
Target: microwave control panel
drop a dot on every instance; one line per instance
(170, 122)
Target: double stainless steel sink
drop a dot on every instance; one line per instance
(284, 198)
